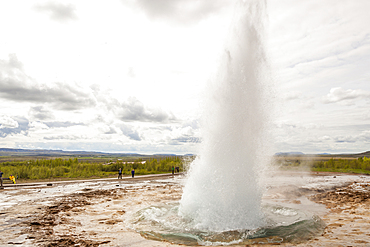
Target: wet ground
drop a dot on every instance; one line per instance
(98, 213)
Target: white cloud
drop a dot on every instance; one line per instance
(58, 11)
(36, 126)
(182, 12)
(65, 137)
(8, 122)
(324, 138)
(41, 113)
(16, 85)
(130, 132)
(134, 110)
(20, 127)
(183, 135)
(132, 78)
(293, 95)
(59, 124)
(344, 139)
(365, 136)
(131, 72)
(339, 94)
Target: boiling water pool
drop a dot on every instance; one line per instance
(282, 224)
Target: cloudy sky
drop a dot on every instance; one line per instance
(129, 75)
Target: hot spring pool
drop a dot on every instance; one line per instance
(281, 225)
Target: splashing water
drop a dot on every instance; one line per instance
(284, 225)
(221, 201)
(222, 191)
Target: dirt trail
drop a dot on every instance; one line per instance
(53, 183)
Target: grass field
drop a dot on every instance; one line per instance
(332, 163)
(46, 165)
(41, 168)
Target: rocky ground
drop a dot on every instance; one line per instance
(348, 219)
(97, 214)
(91, 215)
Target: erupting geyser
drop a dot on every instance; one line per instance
(222, 198)
(223, 188)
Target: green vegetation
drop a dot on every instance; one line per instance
(58, 168)
(346, 165)
(360, 165)
(52, 168)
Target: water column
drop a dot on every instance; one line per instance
(223, 191)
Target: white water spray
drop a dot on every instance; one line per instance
(221, 202)
(223, 188)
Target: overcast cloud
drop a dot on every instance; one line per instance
(40, 113)
(134, 110)
(130, 75)
(181, 12)
(16, 85)
(58, 11)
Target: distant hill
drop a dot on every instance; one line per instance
(289, 154)
(367, 154)
(61, 153)
(164, 155)
(355, 155)
(45, 152)
(12, 152)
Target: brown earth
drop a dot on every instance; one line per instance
(41, 228)
(96, 217)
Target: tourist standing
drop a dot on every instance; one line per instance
(12, 178)
(133, 172)
(173, 170)
(1, 178)
(120, 173)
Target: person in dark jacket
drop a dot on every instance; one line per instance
(133, 172)
(1, 178)
(120, 173)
